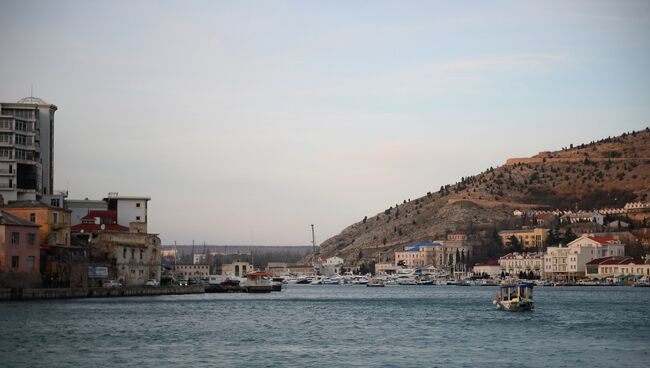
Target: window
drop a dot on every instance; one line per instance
(55, 217)
(132, 253)
(137, 205)
(31, 238)
(30, 262)
(15, 238)
(15, 261)
(124, 252)
(141, 253)
(32, 217)
(54, 202)
(137, 218)
(53, 238)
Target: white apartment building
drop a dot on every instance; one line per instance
(26, 149)
(570, 262)
(515, 263)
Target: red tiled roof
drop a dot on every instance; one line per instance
(612, 261)
(101, 214)
(602, 239)
(91, 228)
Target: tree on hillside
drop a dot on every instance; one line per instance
(569, 236)
(515, 245)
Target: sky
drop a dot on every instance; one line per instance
(246, 122)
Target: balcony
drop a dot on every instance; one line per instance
(7, 186)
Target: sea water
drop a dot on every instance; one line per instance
(333, 326)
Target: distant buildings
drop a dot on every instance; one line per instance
(439, 254)
(528, 238)
(490, 268)
(26, 150)
(193, 271)
(523, 263)
(237, 268)
(570, 262)
(617, 266)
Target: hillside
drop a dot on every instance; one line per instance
(607, 173)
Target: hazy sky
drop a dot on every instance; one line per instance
(256, 117)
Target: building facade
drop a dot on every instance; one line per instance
(528, 238)
(490, 268)
(440, 254)
(54, 221)
(570, 262)
(26, 149)
(237, 268)
(135, 256)
(192, 271)
(19, 252)
(130, 210)
(517, 263)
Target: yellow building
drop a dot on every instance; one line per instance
(54, 221)
(528, 238)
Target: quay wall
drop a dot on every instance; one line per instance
(67, 293)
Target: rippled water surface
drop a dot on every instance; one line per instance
(328, 326)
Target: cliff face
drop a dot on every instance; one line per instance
(607, 173)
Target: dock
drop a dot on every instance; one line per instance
(71, 293)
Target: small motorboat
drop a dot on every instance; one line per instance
(515, 298)
(375, 282)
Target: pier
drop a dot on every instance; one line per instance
(70, 293)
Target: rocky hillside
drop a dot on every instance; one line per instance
(607, 173)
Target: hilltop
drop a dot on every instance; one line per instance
(602, 174)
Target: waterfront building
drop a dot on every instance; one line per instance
(516, 263)
(331, 265)
(192, 271)
(54, 221)
(19, 252)
(528, 238)
(136, 256)
(277, 268)
(26, 149)
(441, 254)
(98, 221)
(490, 268)
(570, 262)
(237, 268)
(617, 266)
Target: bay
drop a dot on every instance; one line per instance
(329, 326)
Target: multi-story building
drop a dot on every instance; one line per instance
(528, 238)
(617, 266)
(237, 268)
(19, 252)
(113, 213)
(490, 268)
(54, 221)
(439, 254)
(26, 149)
(192, 271)
(517, 263)
(134, 257)
(570, 262)
(131, 210)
